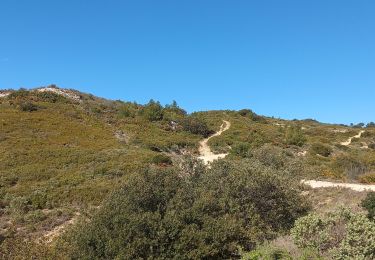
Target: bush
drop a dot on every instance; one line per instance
(320, 149)
(195, 126)
(28, 106)
(168, 214)
(241, 149)
(294, 136)
(350, 166)
(153, 111)
(341, 234)
(19, 94)
(266, 252)
(271, 156)
(174, 109)
(250, 114)
(128, 109)
(51, 97)
(369, 204)
(21, 248)
(368, 178)
(162, 160)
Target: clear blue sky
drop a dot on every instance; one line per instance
(289, 59)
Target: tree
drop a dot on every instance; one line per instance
(174, 108)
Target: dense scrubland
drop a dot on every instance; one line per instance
(126, 178)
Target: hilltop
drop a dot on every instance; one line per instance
(62, 152)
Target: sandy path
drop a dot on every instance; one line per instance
(326, 184)
(349, 141)
(58, 230)
(204, 149)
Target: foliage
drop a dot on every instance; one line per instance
(162, 160)
(368, 178)
(175, 109)
(19, 248)
(129, 109)
(28, 106)
(84, 160)
(271, 156)
(320, 149)
(350, 166)
(241, 149)
(266, 252)
(196, 126)
(250, 114)
(369, 204)
(153, 111)
(342, 234)
(167, 214)
(295, 136)
(47, 96)
(19, 94)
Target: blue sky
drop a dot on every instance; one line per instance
(289, 59)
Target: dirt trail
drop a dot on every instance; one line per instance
(326, 184)
(204, 149)
(58, 230)
(349, 141)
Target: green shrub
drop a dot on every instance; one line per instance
(266, 252)
(167, 214)
(28, 106)
(162, 160)
(19, 94)
(18, 248)
(195, 126)
(250, 114)
(368, 178)
(241, 149)
(369, 204)
(174, 109)
(48, 96)
(128, 109)
(270, 156)
(349, 166)
(320, 149)
(341, 234)
(153, 111)
(38, 199)
(295, 136)
(17, 207)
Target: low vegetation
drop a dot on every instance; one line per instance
(339, 235)
(194, 214)
(122, 167)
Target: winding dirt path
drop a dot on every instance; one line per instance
(327, 184)
(353, 186)
(204, 149)
(349, 141)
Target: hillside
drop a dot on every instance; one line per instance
(63, 152)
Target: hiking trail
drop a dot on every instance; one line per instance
(205, 152)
